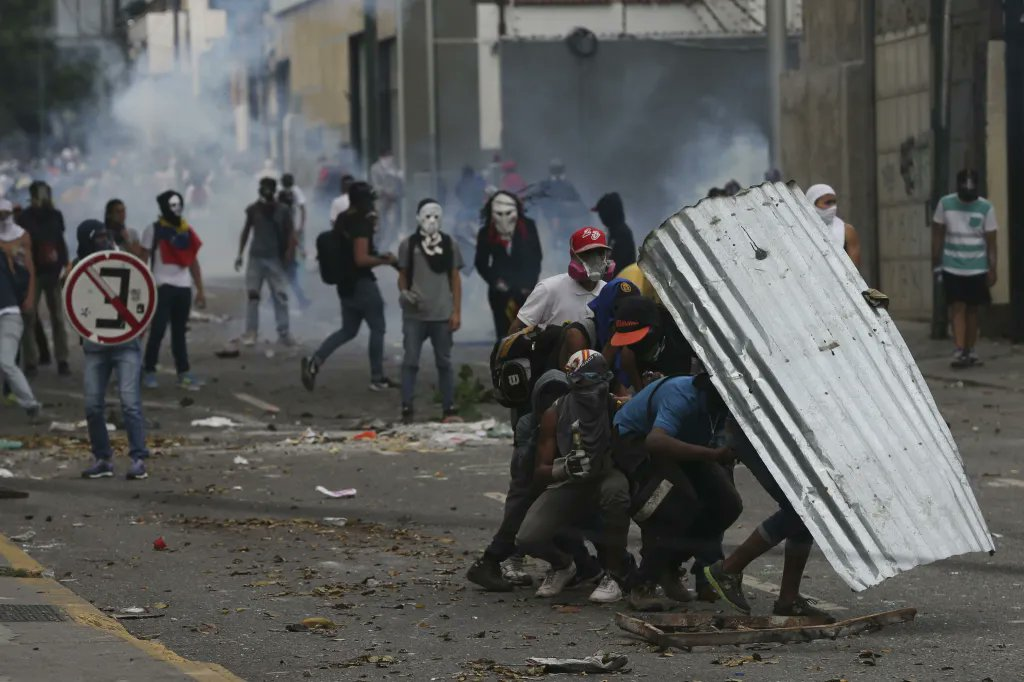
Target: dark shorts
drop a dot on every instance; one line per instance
(970, 289)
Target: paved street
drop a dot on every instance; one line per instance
(252, 547)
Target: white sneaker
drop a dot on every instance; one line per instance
(248, 339)
(514, 571)
(607, 592)
(555, 581)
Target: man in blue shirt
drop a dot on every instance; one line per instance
(683, 497)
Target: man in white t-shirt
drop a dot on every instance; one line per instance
(341, 202)
(564, 298)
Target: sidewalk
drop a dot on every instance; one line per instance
(1003, 368)
(57, 635)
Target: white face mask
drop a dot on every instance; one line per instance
(596, 263)
(505, 214)
(429, 219)
(174, 203)
(827, 215)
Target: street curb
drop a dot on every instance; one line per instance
(84, 613)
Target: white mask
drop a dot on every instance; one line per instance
(595, 262)
(174, 203)
(505, 214)
(429, 219)
(827, 215)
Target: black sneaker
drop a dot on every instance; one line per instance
(383, 384)
(309, 367)
(961, 360)
(645, 597)
(486, 573)
(674, 587)
(407, 415)
(729, 586)
(803, 606)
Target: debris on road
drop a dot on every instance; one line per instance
(24, 537)
(240, 460)
(338, 521)
(318, 622)
(598, 663)
(160, 544)
(337, 494)
(308, 437)
(685, 630)
(216, 423)
(6, 473)
(72, 427)
(434, 437)
(10, 444)
(199, 316)
(257, 403)
(365, 435)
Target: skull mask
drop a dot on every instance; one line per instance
(505, 214)
(174, 203)
(429, 219)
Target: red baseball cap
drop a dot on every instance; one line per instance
(587, 239)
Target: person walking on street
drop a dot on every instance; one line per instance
(358, 291)
(171, 248)
(17, 280)
(289, 190)
(964, 257)
(271, 250)
(431, 296)
(508, 257)
(45, 226)
(100, 362)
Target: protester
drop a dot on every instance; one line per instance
(564, 298)
(964, 257)
(726, 577)
(287, 198)
(684, 497)
(357, 290)
(574, 457)
(511, 181)
(620, 237)
(558, 198)
(508, 257)
(386, 179)
(100, 361)
(841, 234)
(17, 281)
(271, 251)
(430, 288)
(341, 202)
(45, 225)
(171, 247)
(649, 342)
(115, 217)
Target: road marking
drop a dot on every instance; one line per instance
(773, 590)
(256, 402)
(497, 497)
(1004, 483)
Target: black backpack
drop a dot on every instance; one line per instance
(518, 360)
(330, 254)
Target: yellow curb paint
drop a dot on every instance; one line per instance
(84, 613)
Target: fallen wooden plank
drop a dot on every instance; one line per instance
(257, 403)
(801, 633)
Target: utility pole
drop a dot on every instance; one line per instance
(175, 11)
(775, 27)
(939, 28)
(372, 149)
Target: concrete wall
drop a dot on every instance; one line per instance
(828, 114)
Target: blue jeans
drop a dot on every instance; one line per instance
(172, 308)
(271, 271)
(295, 280)
(414, 333)
(100, 362)
(364, 303)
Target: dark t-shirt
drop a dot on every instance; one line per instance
(46, 228)
(353, 226)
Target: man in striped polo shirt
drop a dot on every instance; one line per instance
(964, 258)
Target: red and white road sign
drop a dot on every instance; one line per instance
(110, 297)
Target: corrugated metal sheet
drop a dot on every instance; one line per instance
(823, 385)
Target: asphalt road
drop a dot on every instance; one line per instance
(250, 552)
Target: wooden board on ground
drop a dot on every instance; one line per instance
(685, 630)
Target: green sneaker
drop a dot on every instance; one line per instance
(729, 586)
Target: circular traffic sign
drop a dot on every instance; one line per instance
(110, 297)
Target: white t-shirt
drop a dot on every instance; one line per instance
(164, 273)
(339, 206)
(557, 300)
